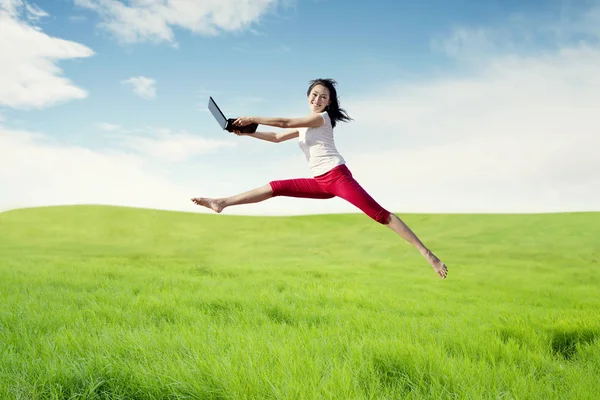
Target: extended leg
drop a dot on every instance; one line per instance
(398, 226)
(350, 190)
(303, 187)
(252, 196)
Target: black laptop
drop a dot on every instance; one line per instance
(227, 123)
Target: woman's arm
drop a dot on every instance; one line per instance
(311, 121)
(272, 136)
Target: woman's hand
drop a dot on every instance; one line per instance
(243, 121)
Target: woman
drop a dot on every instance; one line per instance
(331, 175)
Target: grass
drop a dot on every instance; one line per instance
(121, 303)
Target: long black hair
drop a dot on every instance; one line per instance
(333, 109)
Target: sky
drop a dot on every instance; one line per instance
(458, 107)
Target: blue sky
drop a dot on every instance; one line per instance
(272, 59)
(430, 84)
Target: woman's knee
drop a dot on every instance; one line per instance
(362, 200)
(274, 187)
(383, 216)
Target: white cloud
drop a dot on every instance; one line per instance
(29, 76)
(11, 7)
(105, 126)
(168, 146)
(35, 13)
(520, 133)
(154, 20)
(575, 23)
(142, 86)
(38, 170)
(77, 18)
(523, 35)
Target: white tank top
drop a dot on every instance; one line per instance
(319, 148)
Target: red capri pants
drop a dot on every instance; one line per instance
(337, 182)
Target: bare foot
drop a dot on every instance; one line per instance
(437, 265)
(213, 204)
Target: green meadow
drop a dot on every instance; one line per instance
(122, 303)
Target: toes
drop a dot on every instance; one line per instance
(443, 271)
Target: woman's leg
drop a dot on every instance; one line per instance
(398, 226)
(304, 188)
(252, 196)
(346, 187)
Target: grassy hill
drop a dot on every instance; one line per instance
(121, 303)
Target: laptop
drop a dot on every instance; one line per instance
(227, 123)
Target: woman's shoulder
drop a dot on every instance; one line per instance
(326, 120)
(324, 116)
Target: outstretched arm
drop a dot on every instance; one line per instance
(272, 136)
(311, 121)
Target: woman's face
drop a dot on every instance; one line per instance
(318, 98)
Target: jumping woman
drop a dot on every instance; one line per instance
(331, 175)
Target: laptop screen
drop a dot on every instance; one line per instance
(216, 112)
